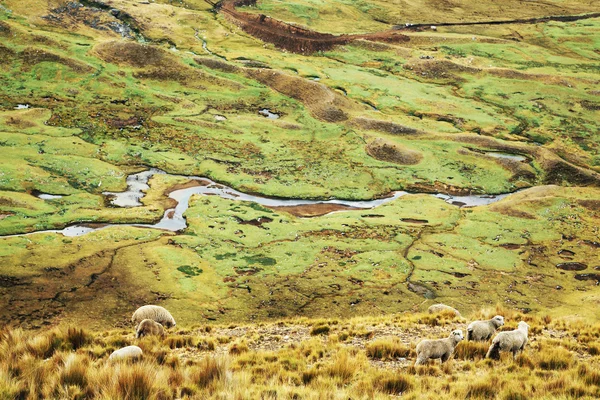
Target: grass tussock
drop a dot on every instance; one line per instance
(471, 350)
(387, 349)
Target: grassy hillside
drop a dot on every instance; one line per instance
(93, 91)
(359, 358)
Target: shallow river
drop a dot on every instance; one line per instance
(173, 219)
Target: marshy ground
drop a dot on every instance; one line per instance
(92, 91)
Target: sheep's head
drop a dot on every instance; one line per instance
(523, 326)
(457, 335)
(498, 320)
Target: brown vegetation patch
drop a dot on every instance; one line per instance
(593, 205)
(590, 105)
(216, 64)
(6, 55)
(32, 56)
(384, 150)
(122, 123)
(5, 29)
(19, 123)
(312, 210)
(385, 126)
(133, 54)
(323, 102)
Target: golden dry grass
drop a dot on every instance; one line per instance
(354, 359)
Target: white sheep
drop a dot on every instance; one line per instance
(440, 348)
(149, 328)
(438, 308)
(156, 313)
(483, 330)
(129, 352)
(513, 341)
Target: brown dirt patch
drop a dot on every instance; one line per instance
(384, 150)
(313, 210)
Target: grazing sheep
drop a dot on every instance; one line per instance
(129, 352)
(155, 313)
(513, 341)
(148, 328)
(483, 330)
(440, 348)
(438, 308)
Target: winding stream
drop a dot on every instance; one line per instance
(173, 219)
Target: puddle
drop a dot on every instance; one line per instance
(267, 113)
(508, 156)
(46, 196)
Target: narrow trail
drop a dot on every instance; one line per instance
(537, 20)
(305, 41)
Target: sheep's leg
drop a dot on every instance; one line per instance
(445, 357)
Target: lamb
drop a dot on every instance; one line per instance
(440, 348)
(148, 328)
(156, 313)
(438, 308)
(483, 330)
(129, 352)
(513, 341)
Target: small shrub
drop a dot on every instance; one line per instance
(394, 384)
(594, 349)
(209, 370)
(78, 337)
(177, 342)
(309, 375)
(554, 359)
(320, 330)
(470, 350)
(343, 367)
(134, 381)
(514, 394)
(588, 376)
(387, 349)
(482, 389)
(74, 371)
(238, 348)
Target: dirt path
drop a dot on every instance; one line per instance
(560, 18)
